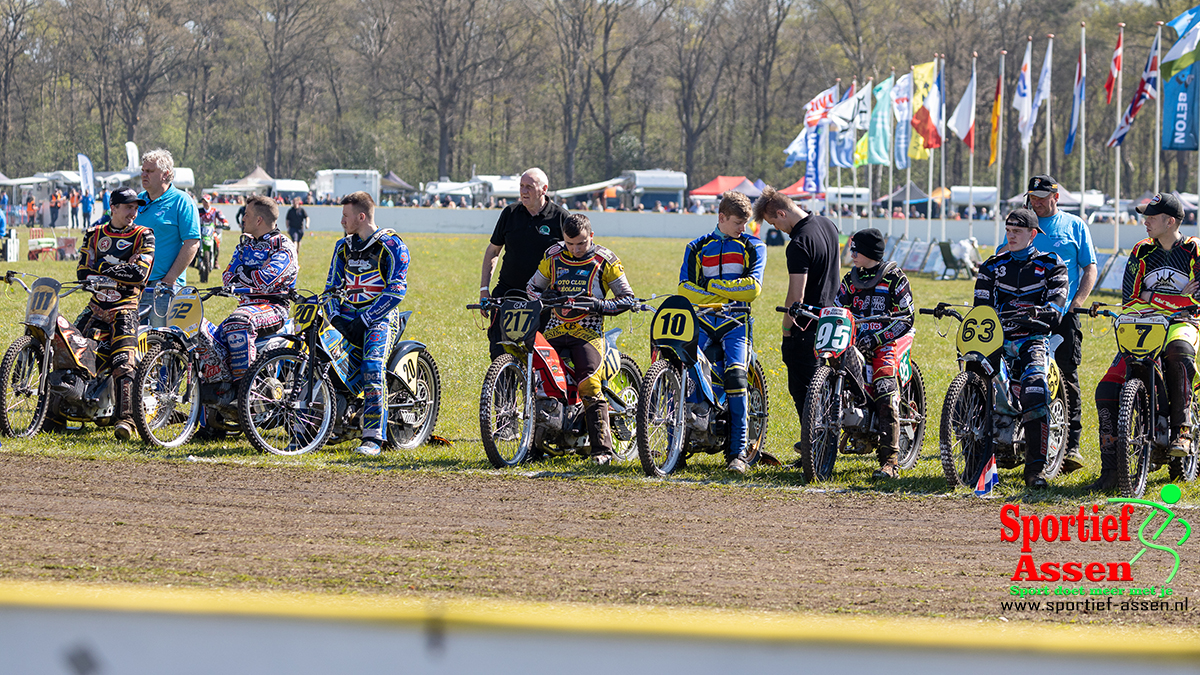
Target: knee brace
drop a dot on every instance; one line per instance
(735, 380)
(1034, 399)
(884, 387)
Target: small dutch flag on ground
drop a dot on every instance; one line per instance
(988, 478)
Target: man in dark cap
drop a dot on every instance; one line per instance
(872, 288)
(1163, 274)
(1067, 236)
(1024, 284)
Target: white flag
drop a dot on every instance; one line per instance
(962, 122)
(1043, 93)
(1022, 99)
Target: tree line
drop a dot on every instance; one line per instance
(582, 88)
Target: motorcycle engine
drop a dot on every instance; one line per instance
(549, 414)
(68, 385)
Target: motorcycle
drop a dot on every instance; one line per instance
(981, 414)
(294, 399)
(183, 382)
(530, 406)
(54, 366)
(1143, 416)
(679, 413)
(210, 250)
(838, 415)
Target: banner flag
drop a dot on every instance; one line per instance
(817, 110)
(1146, 90)
(922, 79)
(962, 122)
(902, 110)
(995, 122)
(797, 150)
(1077, 102)
(87, 175)
(1022, 98)
(879, 149)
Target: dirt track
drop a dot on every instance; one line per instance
(399, 532)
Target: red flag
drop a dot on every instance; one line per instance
(1115, 68)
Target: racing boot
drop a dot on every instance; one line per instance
(595, 414)
(123, 388)
(1037, 438)
(889, 442)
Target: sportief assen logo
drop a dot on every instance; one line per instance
(1161, 531)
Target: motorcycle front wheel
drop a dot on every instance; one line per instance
(286, 405)
(166, 388)
(505, 423)
(22, 406)
(1134, 435)
(661, 419)
(966, 425)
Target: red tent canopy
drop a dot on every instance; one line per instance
(718, 186)
(797, 190)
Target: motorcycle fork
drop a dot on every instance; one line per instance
(530, 416)
(680, 408)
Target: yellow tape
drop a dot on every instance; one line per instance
(740, 625)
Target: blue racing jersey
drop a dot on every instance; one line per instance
(374, 274)
(719, 269)
(263, 268)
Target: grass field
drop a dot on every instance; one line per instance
(443, 277)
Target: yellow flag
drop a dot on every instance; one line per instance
(922, 82)
(860, 151)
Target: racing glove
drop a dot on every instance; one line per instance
(615, 306)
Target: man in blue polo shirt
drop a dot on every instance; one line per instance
(1067, 236)
(173, 216)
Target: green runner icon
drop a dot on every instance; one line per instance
(1169, 494)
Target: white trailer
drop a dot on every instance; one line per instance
(334, 184)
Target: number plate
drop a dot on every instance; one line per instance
(1142, 334)
(303, 314)
(43, 302)
(835, 332)
(517, 323)
(980, 332)
(674, 324)
(407, 369)
(186, 312)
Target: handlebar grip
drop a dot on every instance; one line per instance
(475, 306)
(781, 309)
(1081, 310)
(926, 310)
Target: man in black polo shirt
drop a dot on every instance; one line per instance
(524, 231)
(814, 273)
(297, 222)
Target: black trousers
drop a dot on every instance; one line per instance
(1067, 356)
(801, 362)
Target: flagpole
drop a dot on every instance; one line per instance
(1049, 47)
(999, 153)
(1024, 143)
(1158, 108)
(932, 153)
(1083, 122)
(908, 169)
(942, 133)
(892, 155)
(837, 200)
(870, 109)
(853, 165)
(1117, 194)
(970, 169)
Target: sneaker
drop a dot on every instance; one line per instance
(123, 429)
(738, 465)
(1180, 447)
(601, 460)
(368, 447)
(1072, 462)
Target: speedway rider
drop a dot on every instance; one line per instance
(262, 269)
(123, 252)
(871, 288)
(371, 266)
(212, 221)
(1163, 274)
(585, 271)
(726, 267)
(1035, 284)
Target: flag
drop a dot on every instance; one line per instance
(860, 151)
(797, 150)
(995, 138)
(901, 98)
(87, 176)
(1182, 54)
(962, 122)
(988, 478)
(1185, 22)
(1021, 98)
(1077, 103)
(879, 149)
(1147, 89)
(1042, 93)
(814, 170)
(1114, 68)
(922, 82)
(853, 110)
(817, 109)
(841, 149)
(927, 120)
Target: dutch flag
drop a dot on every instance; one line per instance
(988, 478)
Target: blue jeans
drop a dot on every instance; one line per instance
(728, 348)
(157, 318)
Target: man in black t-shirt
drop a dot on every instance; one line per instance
(524, 231)
(814, 274)
(297, 222)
